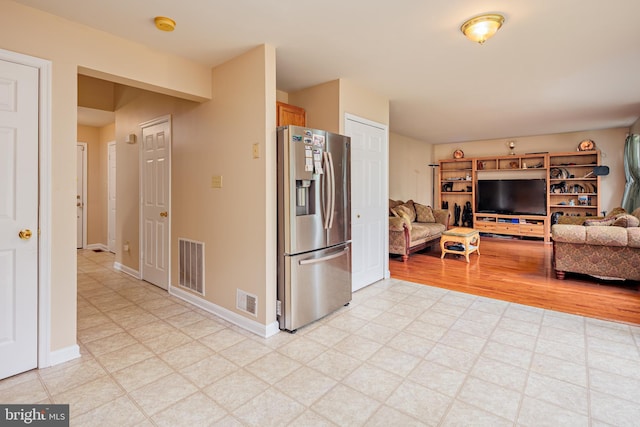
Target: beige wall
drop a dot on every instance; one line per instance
(327, 103)
(236, 222)
(609, 141)
(96, 93)
(322, 104)
(282, 96)
(72, 47)
(410, 176)
(362, 102)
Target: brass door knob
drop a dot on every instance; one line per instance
(164, 214)
(25, 234)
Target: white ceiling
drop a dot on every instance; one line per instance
(555, 66)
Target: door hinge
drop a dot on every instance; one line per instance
(278, 308)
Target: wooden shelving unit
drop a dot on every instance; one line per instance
(572, 188)
(456, 183)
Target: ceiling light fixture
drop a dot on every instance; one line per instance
(164, 24)
(481, 28)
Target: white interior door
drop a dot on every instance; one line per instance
(369, 194)
(18, 218)
(156, 175)
(81, 181)
(111, 195)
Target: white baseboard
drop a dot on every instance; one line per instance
(257, 328)
(128, 270)
(63, 355)
(97, 247)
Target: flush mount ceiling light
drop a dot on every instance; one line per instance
(481, 28)
(164, 24)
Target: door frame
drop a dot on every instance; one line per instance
(385, 183)
(84, 192)
(44, 199)
(111, 225)
(153, 122)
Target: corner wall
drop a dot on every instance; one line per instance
(236, 222)
(322, 104)
(410, 176)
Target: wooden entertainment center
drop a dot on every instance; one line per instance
(571, 188)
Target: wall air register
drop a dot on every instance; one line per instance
(191, 265)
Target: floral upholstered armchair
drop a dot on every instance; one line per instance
(606, 247)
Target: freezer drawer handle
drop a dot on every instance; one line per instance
(323, 259)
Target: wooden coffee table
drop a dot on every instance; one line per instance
(467, 237)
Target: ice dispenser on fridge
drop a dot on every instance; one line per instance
(305, 197)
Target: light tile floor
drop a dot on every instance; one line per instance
(400, 355)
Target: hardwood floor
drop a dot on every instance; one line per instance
(521, 271)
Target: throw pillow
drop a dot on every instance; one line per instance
(403, 212)
(393, 204)
(424, 213)
(411, 209)
(603, 221)
(636, 213)
(615, 212)
(625, 220)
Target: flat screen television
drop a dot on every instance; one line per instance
(512, 196)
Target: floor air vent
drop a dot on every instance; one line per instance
(247, 302)
(192, 265)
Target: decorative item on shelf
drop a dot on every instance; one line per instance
(559, 173)
(447, 187)
(560, 187)
(512, 146)
(513, 165)
(445, 205)
(458, 154)
(586, 145)
(481, 165)
(456, 215)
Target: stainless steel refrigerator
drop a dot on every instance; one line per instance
(314, 225)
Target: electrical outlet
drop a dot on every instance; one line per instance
(256, 150)
(216, 181)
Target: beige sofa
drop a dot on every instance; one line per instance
(413, 227)
(608, 248)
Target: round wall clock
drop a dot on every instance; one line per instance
(586, 145)
(458, 154)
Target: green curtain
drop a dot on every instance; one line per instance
(631, 197)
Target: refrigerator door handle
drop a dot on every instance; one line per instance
(326, 185)
(323, 259)
(332, 200)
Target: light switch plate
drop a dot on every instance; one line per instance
(216, 181)
(256, 150)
